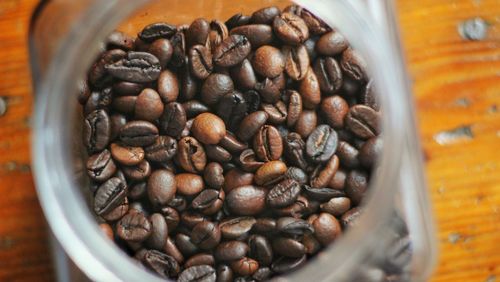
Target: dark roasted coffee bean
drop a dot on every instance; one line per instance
(197, 33)
(331, 44)
(245, 266)
(136, 67)
(209, 201)
(353, 65)
(99, 100)
(262, 274)
(159, 232)
(295, 150)
(224, 273)
(315, 25)
(309, 90)
(200, 59)
(299, 209)
(265, 15)
(311, 244)
(348, 155)
(98, 75)
(134, 226)
(264, 226)
(329, 74)
(117, 121)
(322, 174)
(277, 112)
(194, 108)
(270, 88)
(191, 155)
(370, 151)
(285, 265)
(283, 194)
(237, 20)
(208, 128)
(163, 50)
(232, 108)
(336, 206)
(173, 120)
(96, 131)
(217, 153)
(306, 123)
(321, 143)
(338, 180)
(178, 202)
(334, 109)
(188, 184)
(252, 98)
(356, 186)
(270, 173)
(125, 88)
(231, 250)
(200, 259)
(171, 217)
(257, 34)
(267, 144)
(162, 264)
(185, 245)
(296, 61)
(232, 51)
(268, 61)
(198, 273)
(137, 172)
(163, 150)
(310, 45)
(288, 247)
(124, 104)
(232, 144)
(137, 191)
(246, 200)
(172, 250)
(179, 53)
(297, 174)
(127, 155)
(251, 124)
(291, 226)
(218, 33)
(260, 249)
(206, 235)
(213, 175)
(120, 40)
(363, 121)
(139, 133)
(322, 194)
(236, 178)
(157, 30)
(215, 87)
(244, 75)
(109, 195)
(236, 228)
(148, 105)
(369, 97)
(161, 187)
(100, 166)
(188, 84)
(291, 29)
(168, 86)
(326, 228)
(190, 219)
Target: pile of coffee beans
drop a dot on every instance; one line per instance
(229, 151)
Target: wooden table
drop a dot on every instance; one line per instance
(457, 88)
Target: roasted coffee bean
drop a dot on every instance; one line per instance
(232, 144)
(162, 264)
(217, 153)
(291, 29)
(208, 128)
(209, 201)
(296, 61)
(267, 144)
(200, 259)
(348, 155)
(336, 206)
(191, 155)
(265, 15)
(306, 123)
(148, 105)
(251, 125)
(322, 194)
(200, 59)
(363, 121)
(197, 33)
(334, 109)
(288, 247)
(232, 51)
(369, 98)
(124, 104)
(125, 88)
(353, 65)
(315, 25)
(99, 100)
(285, 265)
(295, 148)
(224, 273)
(283, 194)
(237, 20)
(163, 150)
(326, 228)
(187, 83)
(270, 88)
(260, 249)
(245, 266)
(139, 133)
(298, 209)
(338, 180)
(194, 108)
(172, 250)
(252, 98)
(137, 172)
(159, 232)
(297, 174)
(117, 212)
(117, 121)
(120, 40)
(98, 75)
(246, 200)
(134, 226)
(173, 120)
(185, 245)
(322, 175)
(310, 90)
(204, 273)
(190, 218)
(206, 235)
(268, 61)
(236, 178)
(262, 274)
(277, 112)
(321, 143)
(168, 86)
(179, 57)
(189, 184)
(137, 191)
(218, 33)
(236, 228)
(291, 226)
(136, 67)
(127, 155)
(100, 166)
(311, 244)
(163, 50)
(161, 187)
(178, 202)
(215, 87)
(270, 173)
(96, 131)
(329, 74)
(231, 250)
(331, 44)
(258, 34)
(232, 108)
(264, 226)
(171, 217)
(370, 151)
(213, 175)
(356, 186)
(157, 30)
(109, 195)
(244, 75)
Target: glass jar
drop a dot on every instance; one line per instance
(396, 229)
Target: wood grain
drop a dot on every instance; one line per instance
(456, 84)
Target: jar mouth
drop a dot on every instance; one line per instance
(65, 208)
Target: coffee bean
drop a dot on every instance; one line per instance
(99, 100)
(251, 124)
(127, 155)
(285, 265)
(310, 90)
(291, 29)
(232, 108)
(197, 33)
(120, 40)
(237, 228)
(232, 144)
(283, 194)
(159, 232)
(117, 121)
(173, 120)
(157, 30)
(288, 247)
(268, 61)
(188, 84)
(246, 200)
(237, 20)
(172, 250)
(265, 15)
(244, 75)
(224, 273)
(191, 155)
(348, 155)
(206, 235)
(161, 187)
(178, 202)
(194, 108)
(370, 151)
(98, 75)
(291, 226)
(322, 174)
(162, 264)
(215, 87)
(327, 228)
(209, 201)
(168, 86)
(336, 206)
(231, 250)
(124, 104)
(213, 175)
(353, 65)
(109, 195)
(270, 88)
(264, 226)
(204, 273)
(200, 259)
(163, 150)
(277, 112)
(329, 74)
(136, 67)
(100, 166)
(260, 250)
(334, 109)
(363, 121)
(270, 173)
(267, 144)
(369, 97)
(294, 148)
(125, 88)
(185, 245)
(315, 25)
(258, 34)
(296, 61)
(297, 174)
(217, 153)
(163, 50)
(189, 184)
(191, 218)
(245, 266)
(300, 208)
(322, 194)
(208, 128)
(252, 98)
(236, 178)
(338, 180)
(200, 59)
(232, 51)
(356, 186)
(139, 133)
(96, 131)
(321, 143)
(148, 105)
(134, 226)
(262, 274)
(137, 172)
(311, 244)
(179, 57)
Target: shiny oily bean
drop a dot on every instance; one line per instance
(157, 30)
(245, 266)
(204, 273)
(163, 50)
(232, 51)
(294, 148)
(288, 247)
(200, 259)
(172, 250)
(348, 155)
(270, 173)
(98, 100)
(321, 144)
(215, 87)
(237, 20)
(270, 88)
(206, 235)
(140, 67)
(326, 228)
(268, 61)
(336, 206)
(217, 154)
(96, 131)
(109, 195)
(331, 44)
(253, 100)
(310, 90)
(168, 86)
(224, 273)
(306, 123)
(338, 180)
(117, 121)
(161, 187)
(200, 59)
(291, 226)
(100, 166)
(286, 265)
(159, 232)
(148, 105)
(137, 172)
(258, 34)
(236, 178)
(277, 112)
(251, 124)
(190, 218)
(98, 75)
(231, 250)
(356, 186)
(185, 245)
(322, 175)
(264, 226)
(363, 121)
(300, 208)
(198, 31)
(134, 227)
(246, 200)
(164, 265)
(163, 150)
(117, 212)
(296, 61)
(214, 175)
(194, 108)
(297, 174)
(125, 88)
(189, 184)
(322, 194)
(354, 65)
(265, 15)
(208, 128)
(267, 143)
(173, 120)
(283, 194)
(334, 109)
(236, 228)
(244, 75)
(124, 104)
(329, 74)
(370, 152)
(231, 143)
(209, 201)
(232, 108)
(260, 249)
(291, 29)
(127, 155)
(191, 155)
(139, 133)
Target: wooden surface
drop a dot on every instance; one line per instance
(457, 88)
